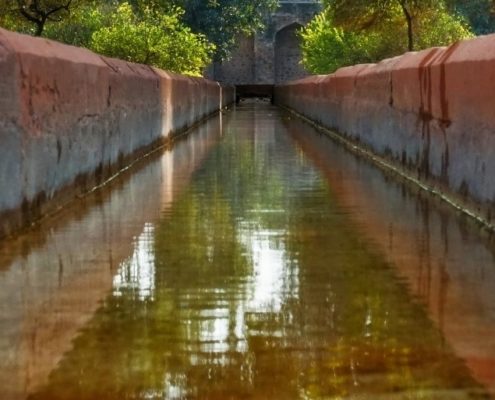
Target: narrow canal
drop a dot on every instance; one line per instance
(254, 260)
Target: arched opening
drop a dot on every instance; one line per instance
(288, 54)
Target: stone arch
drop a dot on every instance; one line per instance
(288, 54)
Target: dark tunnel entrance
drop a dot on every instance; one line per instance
(254, 91)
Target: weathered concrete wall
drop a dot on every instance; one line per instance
(431, 113)
(70, 118)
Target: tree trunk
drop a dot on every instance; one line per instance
(409, 20)
(39, 21)
(40, 26)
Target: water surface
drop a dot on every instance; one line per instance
(255, 260)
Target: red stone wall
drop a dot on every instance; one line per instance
(431, 113)
(70, 118)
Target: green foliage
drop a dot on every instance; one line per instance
(344, 36)
(12, 22)
(178, 35)
(402, 18)
(32, 15)
(327, 47)
(79, 27)
(440, 28)
(221, 21)
(153, 38)
(479, 13)
(144, 32)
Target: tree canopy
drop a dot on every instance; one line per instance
(179, 35)
(35, 12)
(363, 15)
(221, 21)
(153, 38)
(356, 31)
(479, 13)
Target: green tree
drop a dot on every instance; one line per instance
(36, 12)
(326, 47)
(438, 27)
(146, 32)
(479, 13)
(340, 37)
(78, 28)
(221, 21)
(218, 22)
(153, 38)
(373, 14)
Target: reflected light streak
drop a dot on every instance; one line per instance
(138, 272)
(271, 269)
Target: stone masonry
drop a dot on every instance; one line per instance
(273, 55)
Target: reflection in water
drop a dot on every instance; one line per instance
(267, 277)
(447, 264)
(268, 258)
(55, 277)
(138, 273)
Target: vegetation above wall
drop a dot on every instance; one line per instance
(221, 21)
(178, 35)
(360, 31)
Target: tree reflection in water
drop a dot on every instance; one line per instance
(256, 284)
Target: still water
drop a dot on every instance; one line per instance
(254, 260)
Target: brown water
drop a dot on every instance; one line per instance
(255, 260)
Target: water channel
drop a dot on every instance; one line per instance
(256, 259)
